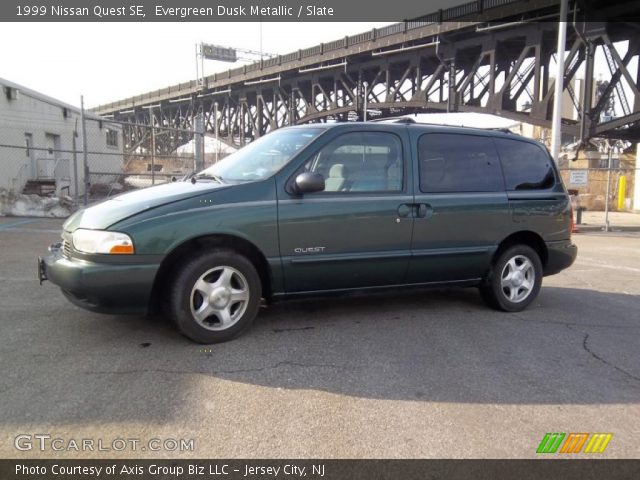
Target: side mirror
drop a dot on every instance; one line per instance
(309, 182)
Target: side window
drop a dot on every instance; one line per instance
(526, 166)
(360, 162)
(458, 163)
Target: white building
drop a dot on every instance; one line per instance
(37, 143)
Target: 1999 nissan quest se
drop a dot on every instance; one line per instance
(324, 208)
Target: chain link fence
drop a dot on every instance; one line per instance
(57, 166)
(57, 170)
(604, 198)
(124, 156)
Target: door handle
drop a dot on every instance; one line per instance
(404, 210)
(424, 210)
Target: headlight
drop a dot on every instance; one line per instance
(100, 241)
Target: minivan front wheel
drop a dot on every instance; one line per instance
(215, 296)
(515, 279)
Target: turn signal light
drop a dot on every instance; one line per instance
(122, 250)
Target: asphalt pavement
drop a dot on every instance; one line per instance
(393, 375)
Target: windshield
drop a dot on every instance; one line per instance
(263, 157)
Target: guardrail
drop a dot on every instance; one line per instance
(20, 180)
(52, 169)
(45, 168)
(61, 170)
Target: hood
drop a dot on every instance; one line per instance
(105, 214)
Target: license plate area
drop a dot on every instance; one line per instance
(41, 271)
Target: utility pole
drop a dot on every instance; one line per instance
(153, 147)
(215, 128)
(199, 81)
(84, 150)
(556, 137)
(199, 143)
(74, 136)
(364, 114)
(606, 199)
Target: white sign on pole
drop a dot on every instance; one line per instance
(579, 178)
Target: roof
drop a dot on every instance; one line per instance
(498, 132)
(45, 98)
(463, 119)
(399, 123)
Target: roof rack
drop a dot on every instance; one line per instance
(407, 120)
(411, 121)
(500, 129)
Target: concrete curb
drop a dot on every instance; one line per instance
(612, 229)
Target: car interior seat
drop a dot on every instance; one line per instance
(337, 178)
(394, 170)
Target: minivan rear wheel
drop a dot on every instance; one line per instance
(514, 280)
(215, 296)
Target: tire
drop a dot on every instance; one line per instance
(514, 280)
(215, 296)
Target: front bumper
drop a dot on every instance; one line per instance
(560, 255)
(100, 287)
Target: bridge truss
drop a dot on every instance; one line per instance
(500, 67)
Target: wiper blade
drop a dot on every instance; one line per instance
(187, 177)
(208, 176)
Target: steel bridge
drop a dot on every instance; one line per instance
(489, 56)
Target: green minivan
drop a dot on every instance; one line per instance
(323, 208)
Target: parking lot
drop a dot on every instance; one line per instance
(415, 374)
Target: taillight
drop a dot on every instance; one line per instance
(573, 228)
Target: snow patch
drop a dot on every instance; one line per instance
(21, 205)
(211, 145)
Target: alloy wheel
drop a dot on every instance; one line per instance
(219, 298)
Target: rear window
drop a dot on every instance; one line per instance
(526, 166)
(458, 163)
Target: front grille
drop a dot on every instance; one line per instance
(66, 248)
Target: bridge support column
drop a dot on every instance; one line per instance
(587, 94)
(452, 104)
(198, 139)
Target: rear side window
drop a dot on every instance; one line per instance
(526, 166)
(458, 163)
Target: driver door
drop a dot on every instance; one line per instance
(356, 232)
